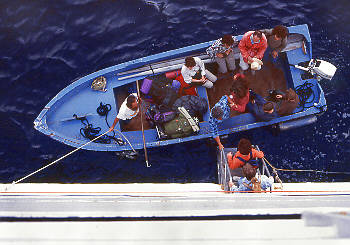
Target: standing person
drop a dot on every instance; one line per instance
(277, 39)
(250, 182)
(219, 112)
(128, 110)
(194, 72)
(221, 51)
(261, 109)
(252, 45)
(239, 93)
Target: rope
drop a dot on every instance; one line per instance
(304, 170)
(59, 159)
(304, 92)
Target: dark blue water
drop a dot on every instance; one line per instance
(46, 44)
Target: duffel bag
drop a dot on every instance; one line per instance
(178, 127)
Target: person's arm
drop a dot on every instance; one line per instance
(116, 120)
(258, 154)
(217, 139)
(243, 48)
(186, 76)
(200, 63)
(262, 47)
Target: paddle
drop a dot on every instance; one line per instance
(143, 131)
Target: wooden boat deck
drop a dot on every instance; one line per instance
(269, 77)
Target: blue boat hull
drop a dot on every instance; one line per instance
(56, 119)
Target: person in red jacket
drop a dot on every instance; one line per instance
(245, 154)
(252, 45)
(239, 93)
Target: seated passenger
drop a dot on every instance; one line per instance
(250, 182)
(252, 45)
(261, 109)
(239, 96)
(245, 153)
(277, 39)
(194, 72)
(221, 51)
(219, 112)
(128, 110)
(289, 102)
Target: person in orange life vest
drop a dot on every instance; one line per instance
(128, 110)
(239, 93)
(252, 45)
(244, 154)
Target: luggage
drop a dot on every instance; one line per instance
(178, 127)
(158, 116)
(196, 106)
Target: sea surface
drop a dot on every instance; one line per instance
(44, 45)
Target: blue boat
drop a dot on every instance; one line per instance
(63, 117)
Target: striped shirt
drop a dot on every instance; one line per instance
(218, 47)
(213, 122)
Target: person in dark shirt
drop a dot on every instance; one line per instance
(262, 109)
(286, 102)
(277, 39)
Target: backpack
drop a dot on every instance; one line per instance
(195, 105)
(178, 127)
(158, 115)
(253, 162)
(255, 185)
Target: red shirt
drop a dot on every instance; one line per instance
(234, 162)
(240, 102)
(253, 50)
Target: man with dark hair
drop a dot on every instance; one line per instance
(252, 45)
(194, 72)
(219, 112)
(245, 153)
(277, 39)
(286, 102)
(250, 182)
(261, 109)
(128, 110)
(221, 51)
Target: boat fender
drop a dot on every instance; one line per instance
(283, 126)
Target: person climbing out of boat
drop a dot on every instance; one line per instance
(128, 110)
(252, 45)
(221, 51)
(239, 96)
(250, 182)
(194, 73)
(219, 112)
(277, 39)
(245, 154)
(261, 109)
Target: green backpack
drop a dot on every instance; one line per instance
(178, 127)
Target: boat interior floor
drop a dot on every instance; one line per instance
(269, 77)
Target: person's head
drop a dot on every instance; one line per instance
(268, 107)
(290, 95)
(244, 146)
(240, 86)
(131, 102)
(227, 40)
(190, 62)
(280, 32)
(248, 171)
(257, 36)
(217, 113)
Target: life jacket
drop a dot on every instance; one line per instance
(253, 162)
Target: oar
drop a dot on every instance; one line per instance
(158, 70)
(161, 64)
(143, 131)
(59, 159)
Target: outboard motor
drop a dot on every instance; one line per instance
(320, 68)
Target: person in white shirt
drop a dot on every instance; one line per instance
(194, 72)
(128, 110)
